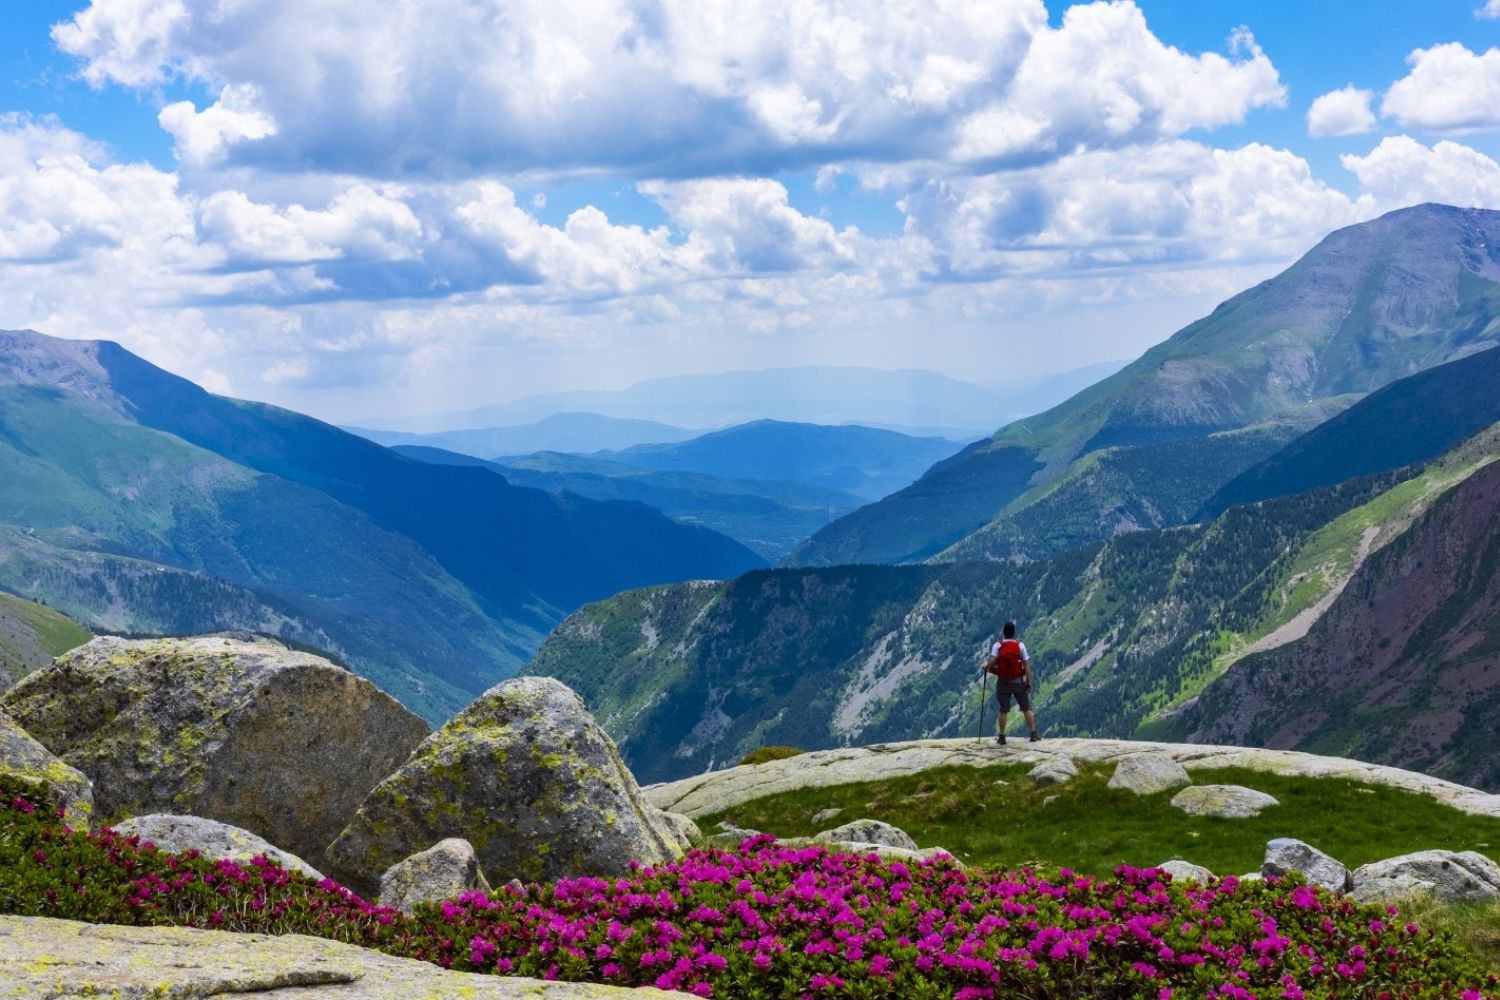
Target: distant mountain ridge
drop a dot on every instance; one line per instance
(139, 501)
(910, 401)
(561, 432)
(1369, 304)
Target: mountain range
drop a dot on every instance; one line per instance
(136, 502)
(1368, 305)
(579, 433)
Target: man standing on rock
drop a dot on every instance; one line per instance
(1011, 665)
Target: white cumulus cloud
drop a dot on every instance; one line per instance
(1449, 89)
(1345, 111)
(1401, 171)
(1490, 11)
(203, 137)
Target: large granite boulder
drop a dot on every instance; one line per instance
(238, 729)
(443, 871)
(524, 774)
(1285, 855)
(1223, 801)
(868, 831)
(24, 760)
(1149, 773)
(42, 957)
(210, 838)
(1453, 877)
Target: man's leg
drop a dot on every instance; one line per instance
(1031, 719)
(1000, 725)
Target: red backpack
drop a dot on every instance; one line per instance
(1007, 664)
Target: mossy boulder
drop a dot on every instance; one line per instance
(233, 728)
(524, 774)
(445, 870)
(67, 788)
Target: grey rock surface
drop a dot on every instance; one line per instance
(824, 815)
(868, 831)
(1285, 855)
(886, 852)
(45, 958)
(245, 731)
(1149, 773)
(1224, 801)
(685, 829)
(1186, 871)
(1054, 771)
(443, 871)
(1453, 877)
(720, 791)
(211, 839)
(524, 774)
(729, 837)
(25, 760)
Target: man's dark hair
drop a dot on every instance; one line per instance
(1009, 631)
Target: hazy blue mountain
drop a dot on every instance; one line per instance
(864, 461)
(769, 518)
(581, 433)
(1408, 421)
(139, 502)
(1368, 305)
(1023, 397)
(811, 394)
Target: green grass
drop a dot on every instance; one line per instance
(1475, 925)
(1090, 827)
(56, 633)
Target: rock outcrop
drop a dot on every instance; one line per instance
(524, 774)
(1149, 773)
(1223, 801)
(238, 729)
(1453, 877)
(1186, 871)
(443, 871)
(868, 831)
(25, 760)
(40, 957)
(1285, 855)
(211, 839)
(721, 791)
(1054, 771)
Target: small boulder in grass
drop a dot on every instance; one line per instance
(1054, 771)
(1285, 855)
(1149, 773)
(1223, 801)
(868, 831)
(1449, 876)
(824, 815)
(1186, 871)
(445, 870)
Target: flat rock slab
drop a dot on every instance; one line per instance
(45, 958)
(717, 791)
(212, 839)
(1223, 801)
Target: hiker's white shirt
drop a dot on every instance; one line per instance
(1025, 656)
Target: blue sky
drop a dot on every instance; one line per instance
(357, 209)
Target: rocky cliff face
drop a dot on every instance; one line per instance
(1404, 667)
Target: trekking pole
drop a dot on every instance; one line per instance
(984, 688)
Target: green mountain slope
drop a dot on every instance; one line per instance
(1370, 304)
(31, 635)
(1408, 421)
(769, 518)
(141, 503)
(1124, 634)
(865, 461)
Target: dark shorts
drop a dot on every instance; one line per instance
(1006, 690)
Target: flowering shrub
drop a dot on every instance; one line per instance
(769, 921)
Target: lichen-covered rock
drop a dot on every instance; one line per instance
(1224, 801)
(23, 759)
(868, 831)
(1453, 877)
(238, 729)
(1054, 771)
(1285, 855)
(524, 774)
(211, 839)
(42, 957)
(1149, 773)
(686, 830)
(443, 871)
(1186, 871)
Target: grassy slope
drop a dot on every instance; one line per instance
(31, 634)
